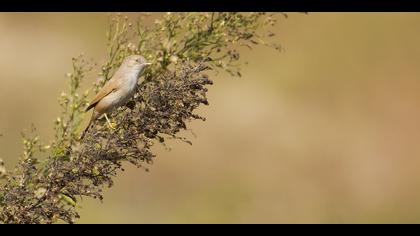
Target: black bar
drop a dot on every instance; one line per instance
(209, 5)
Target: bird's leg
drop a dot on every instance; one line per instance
(111, 126)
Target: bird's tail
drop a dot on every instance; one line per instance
(88, 126)
(84, 132)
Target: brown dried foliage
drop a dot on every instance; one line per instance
(46, 190)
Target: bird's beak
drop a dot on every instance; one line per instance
(147, 64)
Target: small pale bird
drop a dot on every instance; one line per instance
(118, 90)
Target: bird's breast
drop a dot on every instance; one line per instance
(125, 90)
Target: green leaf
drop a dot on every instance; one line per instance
(68, 199)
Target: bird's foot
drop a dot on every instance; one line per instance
(112, 125)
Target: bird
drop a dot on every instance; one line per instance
(118, 90)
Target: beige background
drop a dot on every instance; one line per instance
(326, 131)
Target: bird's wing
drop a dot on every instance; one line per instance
(107, 89)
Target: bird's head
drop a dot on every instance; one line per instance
(136, 62)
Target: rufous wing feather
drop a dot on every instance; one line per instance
(107, 89)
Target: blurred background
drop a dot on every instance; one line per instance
(326, 131)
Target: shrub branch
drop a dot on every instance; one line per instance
(49, 180)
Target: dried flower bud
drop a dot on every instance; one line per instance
(2, 168)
